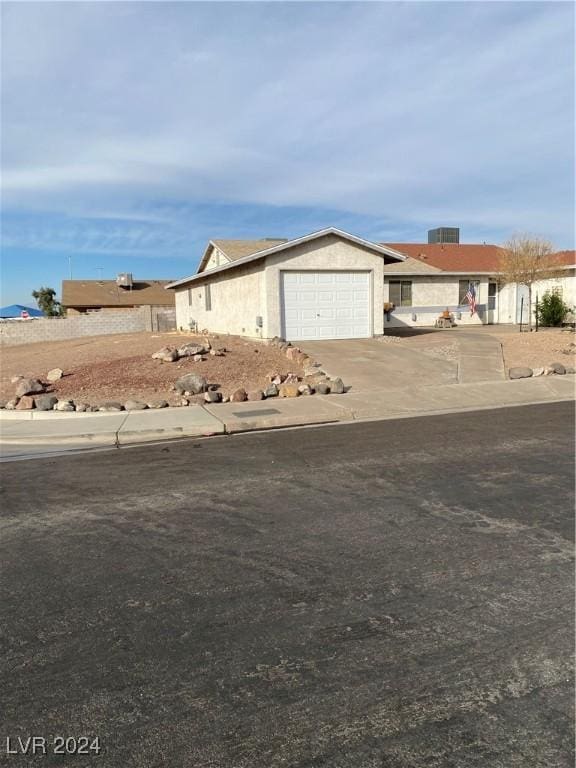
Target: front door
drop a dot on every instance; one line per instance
(492, 308)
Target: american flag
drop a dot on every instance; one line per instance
(471, 298)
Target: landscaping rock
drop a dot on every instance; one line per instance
(322, 388)
(304, 389)
(570, 369)
(291, 378)
(520, 373)
(82, 407)
(197, 358)
(3, 404)
(25, 403)
(54, 375)
(337, 387)
(217, 352)
(135, 405)
(28, 387)
(15, 379)
(255, 394)
(549, 371)
(288, 390)
(11, 404)
(212, 396)
(166, 355)
(559, 369)
(111, 406)
(45, 402)
(538, 372)
(292, 353)
(238, 396)
(64, 405)
(184, 402)
(271, 391)
(157, 404)
(191, 349)
(191, 382)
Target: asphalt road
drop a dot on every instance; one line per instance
(373, 595)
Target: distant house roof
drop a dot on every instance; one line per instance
(106, 293)
(15, 310)
(452, 257)
(424, 258)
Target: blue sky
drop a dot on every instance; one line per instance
(134, 132)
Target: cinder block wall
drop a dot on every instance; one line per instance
(93, 324)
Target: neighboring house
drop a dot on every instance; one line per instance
(83, 296)
(436, 276)
(19, 312)
(332, 285)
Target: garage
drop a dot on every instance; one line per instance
(326, 305)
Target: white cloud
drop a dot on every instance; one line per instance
(409, 110)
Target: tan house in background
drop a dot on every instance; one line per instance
(83, 296)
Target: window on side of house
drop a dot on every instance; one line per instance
(189, 297)
(463, 286)
(207, 297)
(400, 292)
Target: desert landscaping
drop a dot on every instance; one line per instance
(136, 371)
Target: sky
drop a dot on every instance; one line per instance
(134, 132)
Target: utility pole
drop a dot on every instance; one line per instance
(70, 264)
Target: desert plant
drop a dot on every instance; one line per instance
(46, 300)
(552, 309)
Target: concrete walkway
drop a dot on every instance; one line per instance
(38, 433)
(480, 358)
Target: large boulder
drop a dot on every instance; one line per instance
(289, 390)
(135, 405)
(238, 396)
(64, 405)
(166, 355)
(255, 394)
(157, 404)
(337, 387)
(322, 388)
(521, 372)
(212, 396)
(25, 403)
(45, 402)
(111, 406)
(28, 387)
(54, 375)
(558, 368)
(191, 382)
(271, 391)
(191, 349)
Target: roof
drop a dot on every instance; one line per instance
(106, 293)
(453, 258)
(283, 245)
(237, 249)
(15, 310)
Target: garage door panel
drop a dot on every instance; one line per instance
(326, 305)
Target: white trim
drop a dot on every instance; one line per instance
(383, 250)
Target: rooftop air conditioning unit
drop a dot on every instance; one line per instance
(124, 280)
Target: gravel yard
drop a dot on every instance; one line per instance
(535, 350)
(120, 367)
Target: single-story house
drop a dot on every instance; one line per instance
(84, 296)
(436, 276)
(331, 284)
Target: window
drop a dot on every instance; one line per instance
(400, 292)
(189, 297)
(463, 286)
(207, 298)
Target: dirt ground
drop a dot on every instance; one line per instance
(120, 367)
(549, 345)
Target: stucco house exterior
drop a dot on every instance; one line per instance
(325, 285)
(331, 284)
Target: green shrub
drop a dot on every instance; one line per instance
(551, 309)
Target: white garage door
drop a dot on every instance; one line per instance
(326, 305)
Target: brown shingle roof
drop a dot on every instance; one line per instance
(105, 293)
(453, 257)
(237, 249)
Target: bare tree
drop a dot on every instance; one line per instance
(525, 260)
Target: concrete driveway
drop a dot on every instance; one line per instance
(384, 364)
(366, 365)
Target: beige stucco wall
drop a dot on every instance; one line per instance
(431, 295)
(329, 253)
(236, 301)
(242, 294)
